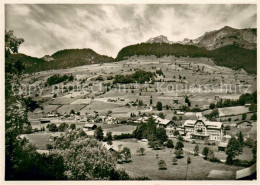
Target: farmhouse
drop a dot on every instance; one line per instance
(244, 124)
(202, 129)
(89, 126)
(168, 124)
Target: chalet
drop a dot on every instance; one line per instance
(244, 124)
(203, 129)
(89, 126)
(165, 123)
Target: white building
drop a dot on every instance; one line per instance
(203, 129)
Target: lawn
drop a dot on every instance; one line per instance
(147, 165)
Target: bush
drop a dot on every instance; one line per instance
(123, 136)
(170, 144)
(215, 160)
(52, 127)
(162, 165)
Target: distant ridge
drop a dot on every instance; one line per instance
(61, 59)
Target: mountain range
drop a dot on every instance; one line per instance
(230, 47)
(245, 38)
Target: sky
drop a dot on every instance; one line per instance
(108, 28)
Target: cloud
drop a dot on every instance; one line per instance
(108, 28)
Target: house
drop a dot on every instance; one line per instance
(247, 104)
(165, 123)
(89, 126)
(222, 146)
(180, 113)
(203, 129)
(244, 124)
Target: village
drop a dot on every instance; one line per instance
(179, 97)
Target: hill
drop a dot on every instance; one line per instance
(61, 60)
(229, 56)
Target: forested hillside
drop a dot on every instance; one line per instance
(229, 56)
(61, 60)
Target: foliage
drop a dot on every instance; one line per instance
(233, 149)
(126, 153)
(196, 150)
(162, 165)
(159, 106)
(161, 115)
(244, 116)
(141, 151)
(187, 101)
(229, 56)
(56, 79)
(52, 127)
(61, 60)
(123, 136)
(62, 127)
(178, 153)
(179, 145)
(31, 104)
(86, 158)
(170, 144)
(73, 126)
(205, 152)
(98, 134)
(139, 76)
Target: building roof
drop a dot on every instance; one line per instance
(160, 120)
(209, 124)
(222, 144)
(89, 125)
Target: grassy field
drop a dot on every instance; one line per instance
(147, 165)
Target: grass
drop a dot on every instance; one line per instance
(147, 165)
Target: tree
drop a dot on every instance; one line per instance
(180, 138)
(151, 100)
(254, 117)
(141, 151)
(161, 115)
(72, 126)
(244, 116)
(241, 139)
(211, 155)
(126, 153)
(161, 134)
(52, 127)
(205, 152)
(162, 165)
(229, 119)
(196, 150)
(254, 151)
(109, 138)
(62, 127)
(98, 134)
(159, 106)
(176, 133)
(174, 118)
(187, 101)
(179, 145)
(174, 161)
(178, 153)
(72, 111)
(212, 106)
(170, 144)
(232, 150)
(188, 162)
(86, 158)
